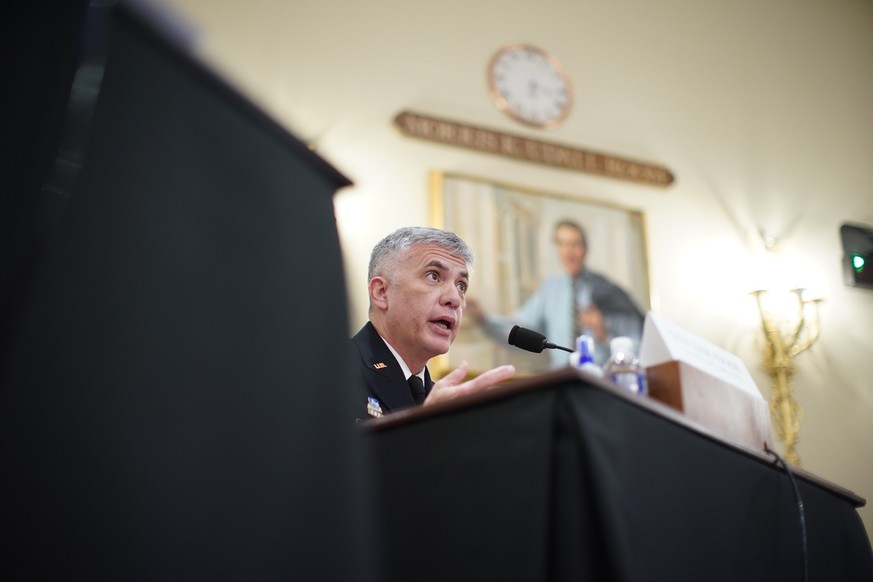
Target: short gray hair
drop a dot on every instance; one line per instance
(390, 250)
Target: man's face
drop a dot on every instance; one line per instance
(571, 250)
(424, 303)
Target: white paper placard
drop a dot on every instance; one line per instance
(664, 341)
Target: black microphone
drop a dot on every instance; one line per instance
(528, 339)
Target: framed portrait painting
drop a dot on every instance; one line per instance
(511, 231)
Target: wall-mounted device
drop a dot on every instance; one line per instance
(857, 242)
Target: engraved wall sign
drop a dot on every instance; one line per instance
(532, 150)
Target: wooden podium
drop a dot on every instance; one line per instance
(565, 477)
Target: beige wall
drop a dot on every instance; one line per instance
(761, 109)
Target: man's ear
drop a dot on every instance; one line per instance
(378, 289)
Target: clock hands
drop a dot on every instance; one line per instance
(533, 86)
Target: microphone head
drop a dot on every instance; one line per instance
(527, 339)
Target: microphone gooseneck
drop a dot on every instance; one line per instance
(528, 339)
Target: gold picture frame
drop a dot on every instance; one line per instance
(510, 228)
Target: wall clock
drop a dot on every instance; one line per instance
(530, 85)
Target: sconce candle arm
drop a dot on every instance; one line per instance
(814, 328)
(801, 321)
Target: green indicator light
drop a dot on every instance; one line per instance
(858, 262)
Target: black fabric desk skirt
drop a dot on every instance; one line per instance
(563, 478)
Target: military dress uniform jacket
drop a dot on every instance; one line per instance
(384, 387)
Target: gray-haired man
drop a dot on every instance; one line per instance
(418, 280)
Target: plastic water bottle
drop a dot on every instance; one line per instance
(583, 357)
(623, 368)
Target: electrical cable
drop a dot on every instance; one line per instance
(800, 510)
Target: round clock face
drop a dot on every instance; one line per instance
(530, 85)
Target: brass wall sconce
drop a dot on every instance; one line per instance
(783, 345)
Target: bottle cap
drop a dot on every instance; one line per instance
(622, 345)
